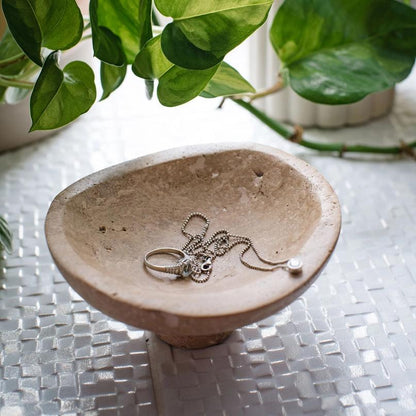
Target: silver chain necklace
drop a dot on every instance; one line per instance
(197, 256)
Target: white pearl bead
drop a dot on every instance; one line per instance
(294, 265)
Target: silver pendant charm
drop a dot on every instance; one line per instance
(294, 265)
(196, 258)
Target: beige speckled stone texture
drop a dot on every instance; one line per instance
(99, 229)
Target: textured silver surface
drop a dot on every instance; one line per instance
(58, 355)
(347, 347)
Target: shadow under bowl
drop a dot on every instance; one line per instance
(100, 228)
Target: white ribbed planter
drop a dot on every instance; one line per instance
(286, 105)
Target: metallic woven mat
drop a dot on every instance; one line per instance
(347, 347)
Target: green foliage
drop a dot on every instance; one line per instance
(24, 25)
(347, 49)
(54, 24)
(6, 237)
(111, 78)
(121, 18)
(179, 85)
(333, 51)
(226, 82)
(146, 16)
(202, 33)
(107, 45)
(150, 62)
(145, 22)
(178, 49)
(60, 96)
(14, 66)
(12, 59)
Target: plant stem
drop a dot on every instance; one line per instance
(4, 82)
(85, 37)
(13, 60)
(268, 91)
(295, 135)
(254, 96)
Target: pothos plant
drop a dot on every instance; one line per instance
(332, 52)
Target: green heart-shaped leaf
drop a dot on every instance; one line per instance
(150, 62)
(107, 45)
(176, 85)
(179, 85)
(61, 23)
(54, 24)
(126, 19)
(226, 81)
(60, 96)
(111, 78)
(178, 48)
(347, 49)
(25, 27)
(208, 30)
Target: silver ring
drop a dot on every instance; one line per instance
(183, 266)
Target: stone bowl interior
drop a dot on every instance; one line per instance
(100, 228)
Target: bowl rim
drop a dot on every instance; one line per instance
(204, 312)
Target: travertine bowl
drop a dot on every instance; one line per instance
(99, 229)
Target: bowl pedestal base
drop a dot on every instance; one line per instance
(192, 342)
